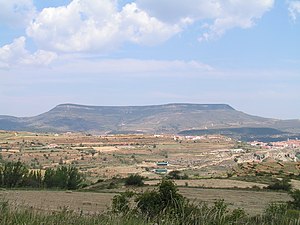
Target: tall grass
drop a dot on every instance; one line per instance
(200, 214)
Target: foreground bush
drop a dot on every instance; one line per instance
(218, 214)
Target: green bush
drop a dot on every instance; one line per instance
(134, 180)
(295, 204)
(176, 175)
(281, 185)
(63, 177)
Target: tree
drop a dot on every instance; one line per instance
(49, 178)
(134, 180)
(13, 174)
(175, 174)
(34, 179)
(74, 178)
(281, 185)
(154, 202)
(169, 193)
(149, 203)
(63, 177)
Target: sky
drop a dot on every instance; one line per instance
(245, 53)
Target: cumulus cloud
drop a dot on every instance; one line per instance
(240, 14)
(191, 10)
(294, 9)
(93, 25)
(16, 12)
(99, 25)
(15, 54)
(221, 15)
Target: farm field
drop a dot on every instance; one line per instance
(86, 202)
(104, 157)
(213, 183)
(215, 167)
(107, 156)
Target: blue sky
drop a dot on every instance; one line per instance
(109, 52)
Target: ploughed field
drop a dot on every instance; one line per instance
(89, 203)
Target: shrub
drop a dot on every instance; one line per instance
(120, 203)
(176, 175)
(134, 180)
(63, 177)
(295, 204)
(281, 185)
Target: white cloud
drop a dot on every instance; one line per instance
(93, 25)
(237, 13)
(16, 12)
(15, 54)
(99, 26)
(222, 15)
(294, 9)
(171, 12)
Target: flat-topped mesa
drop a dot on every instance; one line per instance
(191, 106)
(201, 106)
(167, 118)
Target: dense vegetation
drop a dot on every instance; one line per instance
(16, 174)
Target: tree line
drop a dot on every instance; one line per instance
(16, 174)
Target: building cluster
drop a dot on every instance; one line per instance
(277, 145)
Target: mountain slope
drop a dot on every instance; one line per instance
(169, 118)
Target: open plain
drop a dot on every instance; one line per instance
(215, 167)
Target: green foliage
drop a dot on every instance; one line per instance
(134, 180)
(176, 175)
(149, 203)
(63, 177)
(126, 213)
(33, 179)
(276, 210)
(295, 204)
(281, 185)
(168, 192)
(12, 174)
(16, 174)
(120, 203)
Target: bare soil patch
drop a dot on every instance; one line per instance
(85, 202)
(213, 183)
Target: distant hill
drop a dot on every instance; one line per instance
(168, 118)
(246, 133)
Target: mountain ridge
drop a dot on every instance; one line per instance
(166, 118)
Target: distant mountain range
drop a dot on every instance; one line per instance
(168, 118)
